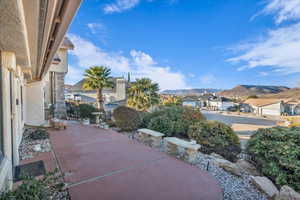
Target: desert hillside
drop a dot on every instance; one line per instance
(244, 91)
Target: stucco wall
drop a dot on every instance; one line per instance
(273, 109)
(35, 113)
(62, 66)
(11, 80)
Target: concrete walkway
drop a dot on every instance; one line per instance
(103, 164)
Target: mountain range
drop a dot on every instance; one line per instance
(190, 91)
(244, 91)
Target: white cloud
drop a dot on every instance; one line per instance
(263, 73)
(283, 9)
(120, 6)
(280, 50)
(96, 27)
(88, 55)
(74, 75)
(191, 75)
(139, 64)
(207, 79)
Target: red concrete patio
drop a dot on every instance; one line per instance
(103, 164)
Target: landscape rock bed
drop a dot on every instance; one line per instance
(234, 187)
(29, 147)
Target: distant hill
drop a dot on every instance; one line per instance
(243, 91)
(293, 93)
(190, 91)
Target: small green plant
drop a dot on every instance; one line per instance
(127, 119)
(86, 110)
(216, 137)
(161, 124)
(39, 134)
(276, 153)
(37, 189)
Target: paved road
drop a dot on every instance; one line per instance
(227, 119)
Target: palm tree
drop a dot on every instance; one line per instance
(97, 78)
(142, 94)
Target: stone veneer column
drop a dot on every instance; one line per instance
(60, 111)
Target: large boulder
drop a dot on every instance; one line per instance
(287, 193)
(265, 185)
(228, 166)
(247, 167)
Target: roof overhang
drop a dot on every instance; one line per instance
(34, 30)
(13, 31)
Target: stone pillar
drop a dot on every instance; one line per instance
(60, 106)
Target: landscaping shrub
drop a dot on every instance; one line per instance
(147, 116)
(178, 117)
(127, 119)
(276, 153)
(86, 110)
(47, 188)
(161, 124)
(216, 137)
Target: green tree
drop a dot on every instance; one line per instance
(171, 100)
(97, 78)
(142, 94)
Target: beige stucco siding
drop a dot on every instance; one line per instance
(273, 109)
(62, 66)
(35, 113)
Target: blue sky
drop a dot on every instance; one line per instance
(190, 43)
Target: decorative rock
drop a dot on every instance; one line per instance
(214, 155)
(265, 185)
(247, 167)
(228, 166)
(287, 193)
(37, 147)
(150, 137)
(182, 149)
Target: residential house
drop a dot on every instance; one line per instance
(292, 107)
(220, 103)
(262, 106)
(54, 82)
(191, 101)
(30, 35)
(110, 95)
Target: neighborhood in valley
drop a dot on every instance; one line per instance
(145, 99)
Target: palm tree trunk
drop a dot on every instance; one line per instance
(100, 100)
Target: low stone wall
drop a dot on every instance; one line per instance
(150, 137)
(182, 149)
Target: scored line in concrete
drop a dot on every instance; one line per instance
(114, 172)
(97, 141)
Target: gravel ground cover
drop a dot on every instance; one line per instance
(30, 147)
(234, 188)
